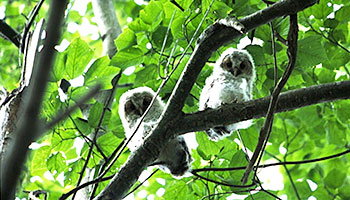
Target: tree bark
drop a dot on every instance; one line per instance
(110, 29)
(108, 25)
(214, 37)
(257, 108)
(28, 125)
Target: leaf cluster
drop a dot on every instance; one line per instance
(57, 158)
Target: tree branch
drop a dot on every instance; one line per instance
(266, 128)
(275, 164)
(291, 100)
(108, 25)
(9, 33)
(214, 37)
(28, 126)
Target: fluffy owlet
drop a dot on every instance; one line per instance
(174, 157)
(231, 82)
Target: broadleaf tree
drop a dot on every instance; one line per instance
(75, 144)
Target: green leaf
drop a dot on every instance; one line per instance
(308, 115)
(159, 35)
(325, 75)
(100, 72)
(108, 142)
(56, 162)
(38, 164)
(343, 111)
(257, 54)
(79, 55)
(128, 57)
(343, 14)
(302, 187)
(336, 134)
(178, 191)
(335, 178)
(264, 33)
(336, 57)
(261, 196)
(238, 160)
(138, 26)
(58, 70)
(176, 27)
(344, 192)
(331, 23)
(152, 14)
(205, 146)
(95, 114)
(310, 52)
(78, 92)
(149, 72)
(126, 39)
(320, 10)
(82, 125)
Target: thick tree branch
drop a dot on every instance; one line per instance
(108, 25)
(28, 126)
(257, 108)
(214, 37)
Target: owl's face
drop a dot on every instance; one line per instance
(135, 102)
(136, 106)
(238, 63)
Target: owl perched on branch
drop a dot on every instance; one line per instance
(231, 82)
(174, 158)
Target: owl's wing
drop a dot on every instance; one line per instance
(175, 157)
(205, 94)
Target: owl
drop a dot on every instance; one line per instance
(174, 158)
(231, 82)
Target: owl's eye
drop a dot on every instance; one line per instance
(147, 101)
(228, 64)
(242, 65)
(129, 106)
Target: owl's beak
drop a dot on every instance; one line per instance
(140, 111)
(235, 71)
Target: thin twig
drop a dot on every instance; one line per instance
(100, 173)
(177, 5)
(67, 112)
(32, 16)
(265, 130)
(87, 139)
(276, 164)
(106, 106)
(217, 194)
(274, 54)
(270, 193)
(139, 185)
(288, 174)
(222, 183)
(244, 147)
(98, 180)
(164, 43)
(280, 38)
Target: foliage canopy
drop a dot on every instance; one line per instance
(57, 159)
